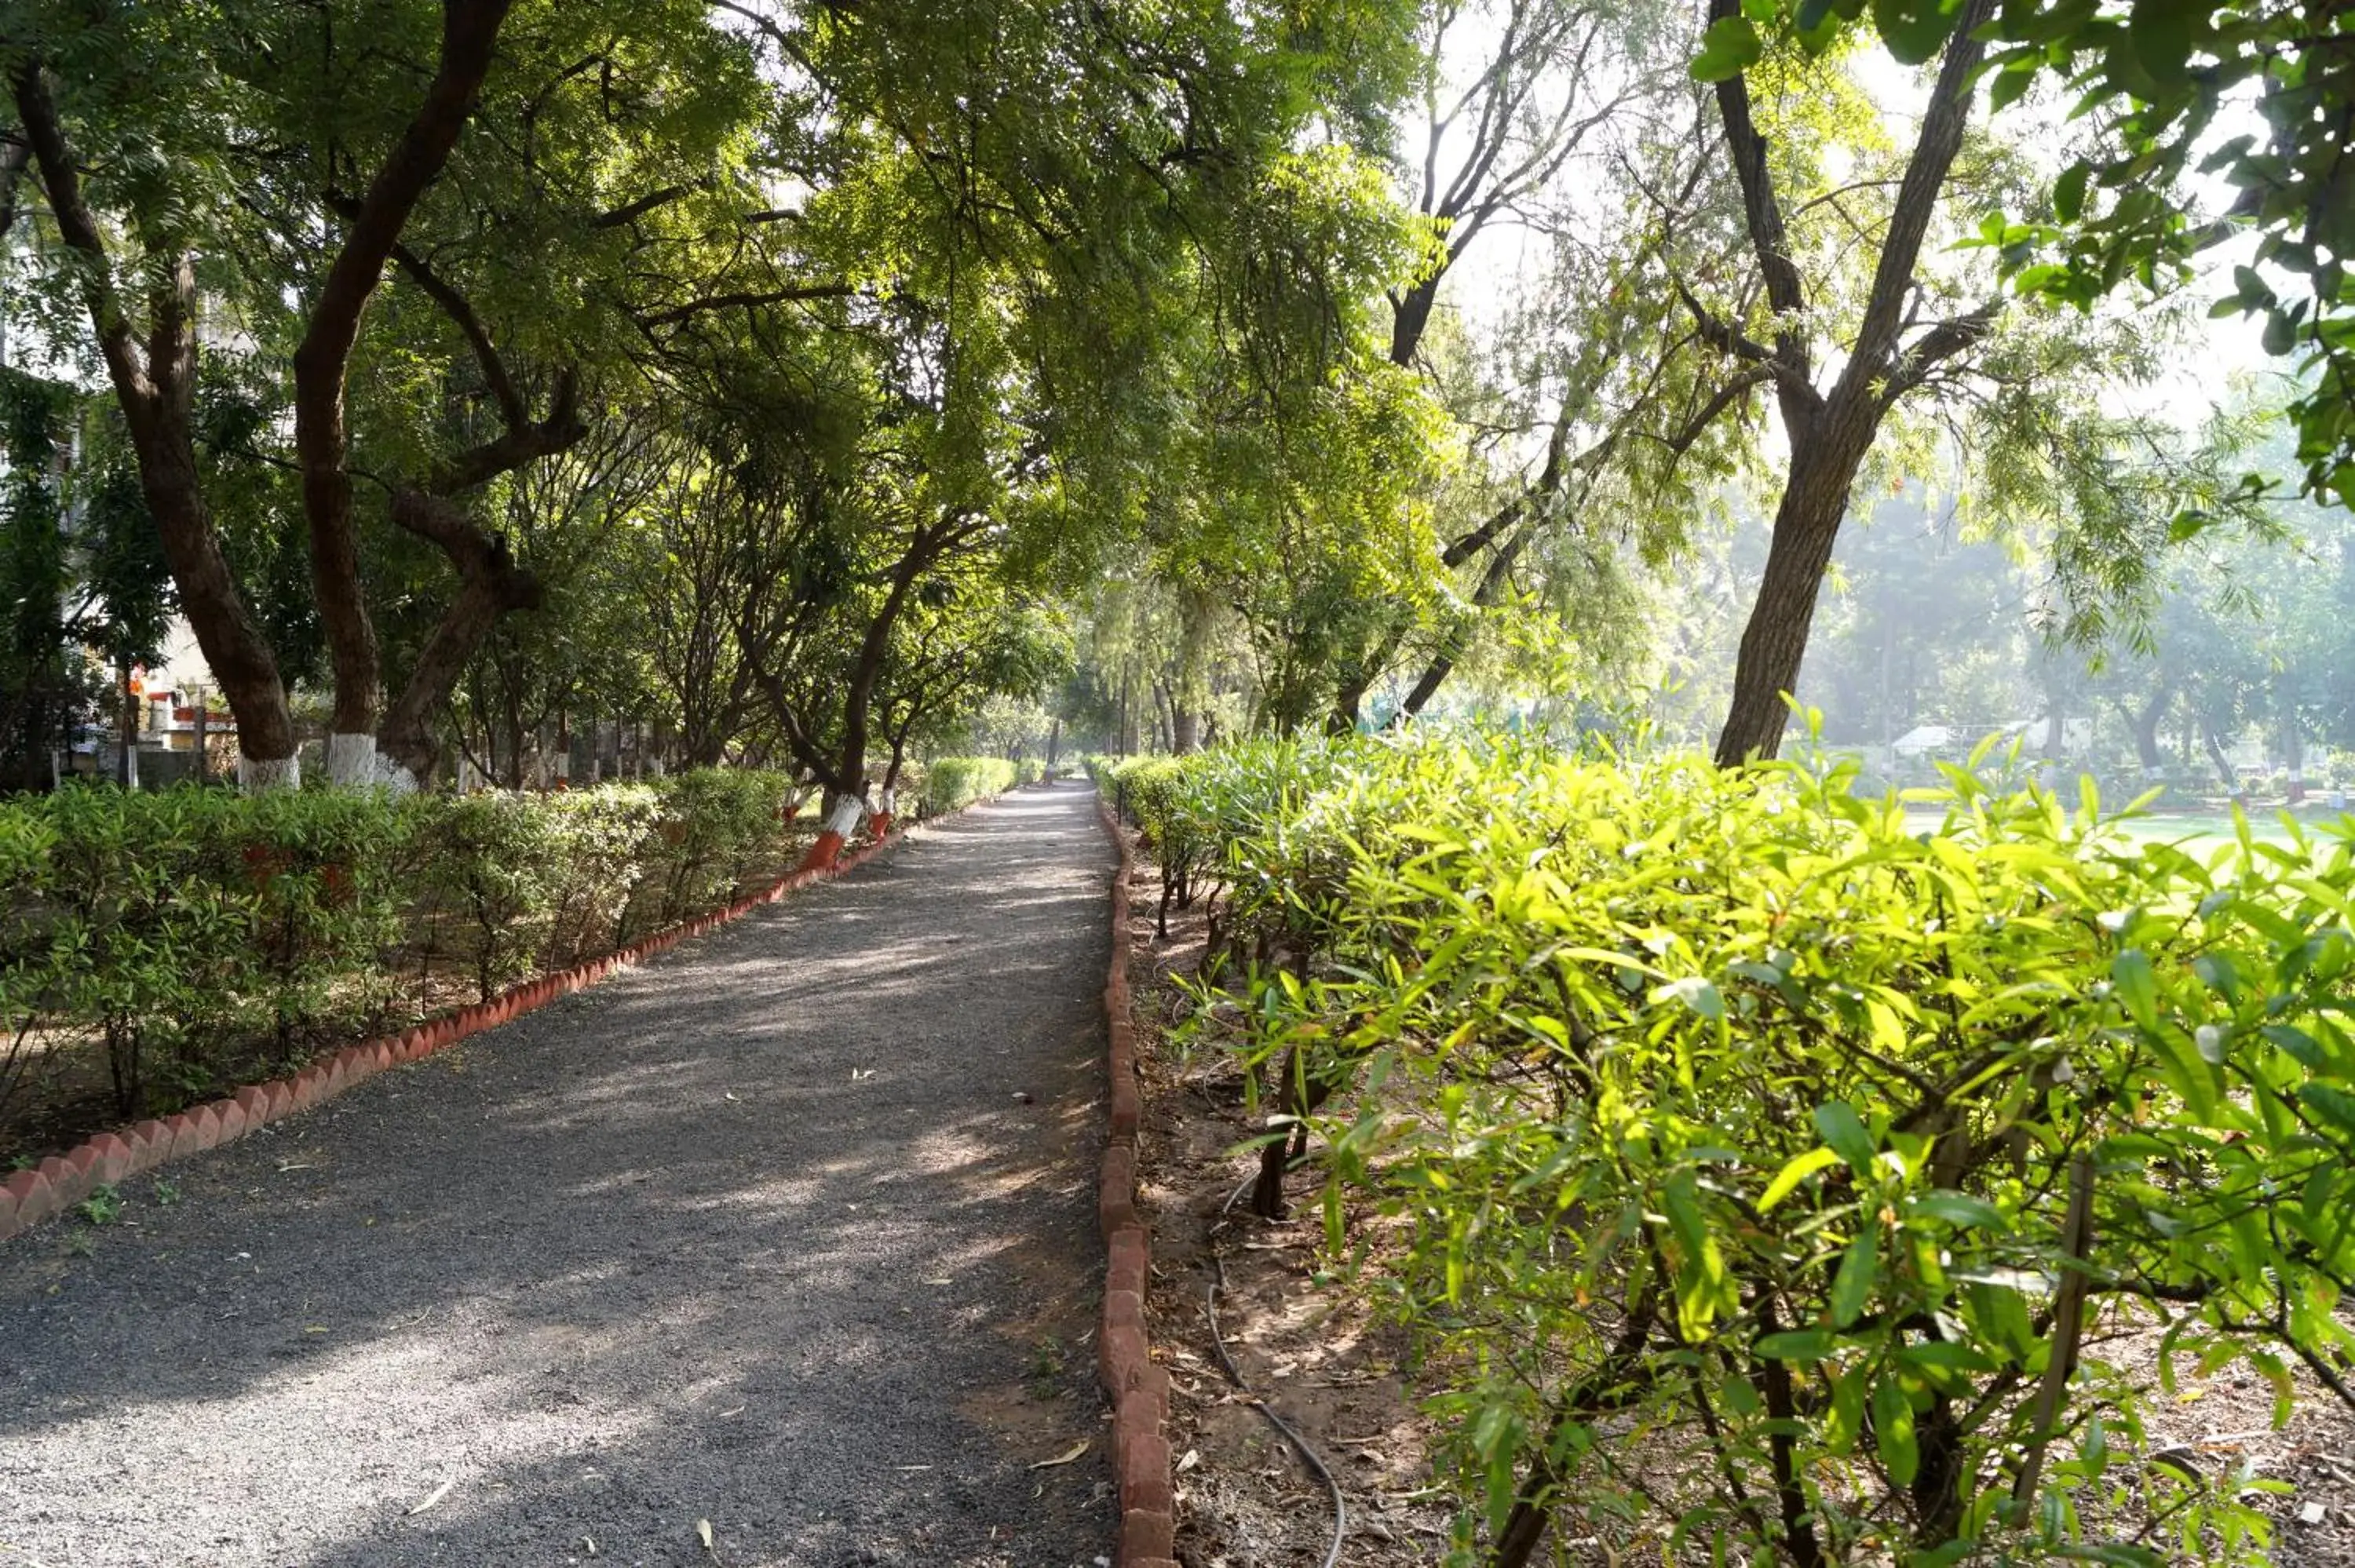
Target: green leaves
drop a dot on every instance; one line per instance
(1704, 1289)
(1855, 1132)
(1845, 1132)
(1892, 1431)
(2160, 32)
(1699, 995)
(1914, 30)
(1801, 1346)
(1731, 47)
(1799, 1168)
(1852, 1285)
(2136, 986)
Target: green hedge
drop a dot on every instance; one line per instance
(191, 938)
(1736, 1111)
(949, 782)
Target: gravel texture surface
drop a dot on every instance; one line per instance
(790, 1231)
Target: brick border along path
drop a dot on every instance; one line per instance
(790, 1231)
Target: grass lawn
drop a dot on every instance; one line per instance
(2195, 831)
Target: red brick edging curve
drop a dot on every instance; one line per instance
(1139, 1390)
(60, 1181)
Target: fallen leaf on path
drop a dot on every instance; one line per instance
(940, 1282)
(703, 1534)
(1065, 1458)
(439, 1493)
(859, 1073)
(726, 1413)
(1193, 1458)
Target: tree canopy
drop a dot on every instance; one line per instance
(788, 382)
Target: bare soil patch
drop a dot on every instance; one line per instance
(1245, 1497)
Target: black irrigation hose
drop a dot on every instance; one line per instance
(1219, 1343)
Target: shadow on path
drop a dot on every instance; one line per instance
(790, 1231)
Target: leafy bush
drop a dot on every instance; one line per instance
(167, 924)
(1761, 1174)
(716, 824)
(949, 782)
(180, 932)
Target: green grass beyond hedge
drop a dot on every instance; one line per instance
(1762, 1177)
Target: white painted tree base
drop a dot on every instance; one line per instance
(259, 776)
(355, 763)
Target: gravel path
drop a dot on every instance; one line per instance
(790, 1231)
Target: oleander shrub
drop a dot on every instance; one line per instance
(1763, 1178)
(949, 782)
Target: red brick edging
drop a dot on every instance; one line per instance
(1139, 1390)
(59, 1182)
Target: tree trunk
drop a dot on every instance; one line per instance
(2143, 725)
(1410, 314)
(1830, 434)
(860, 699)
(470, 30)
(1442, 663)
(2223, 764)
(156, 390)
(124, 763)
(406, 737)
(1774, 642)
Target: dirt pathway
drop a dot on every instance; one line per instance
(790, 1231)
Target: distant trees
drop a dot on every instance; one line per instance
(915, 325)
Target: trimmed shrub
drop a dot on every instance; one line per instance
(1844, 1164)
(193, 937)
(949, 782)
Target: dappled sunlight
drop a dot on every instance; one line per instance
(761, 1211)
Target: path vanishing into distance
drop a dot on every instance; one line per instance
(790, 1231)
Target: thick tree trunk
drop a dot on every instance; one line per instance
(858, 699)
(403, 752)
(2143, 725)
(406, 737)
(156, 390)
(229, 637)
(1410, 315)
(1830, 434)
(470, 30)
(1774, 642)
(1197, 617)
